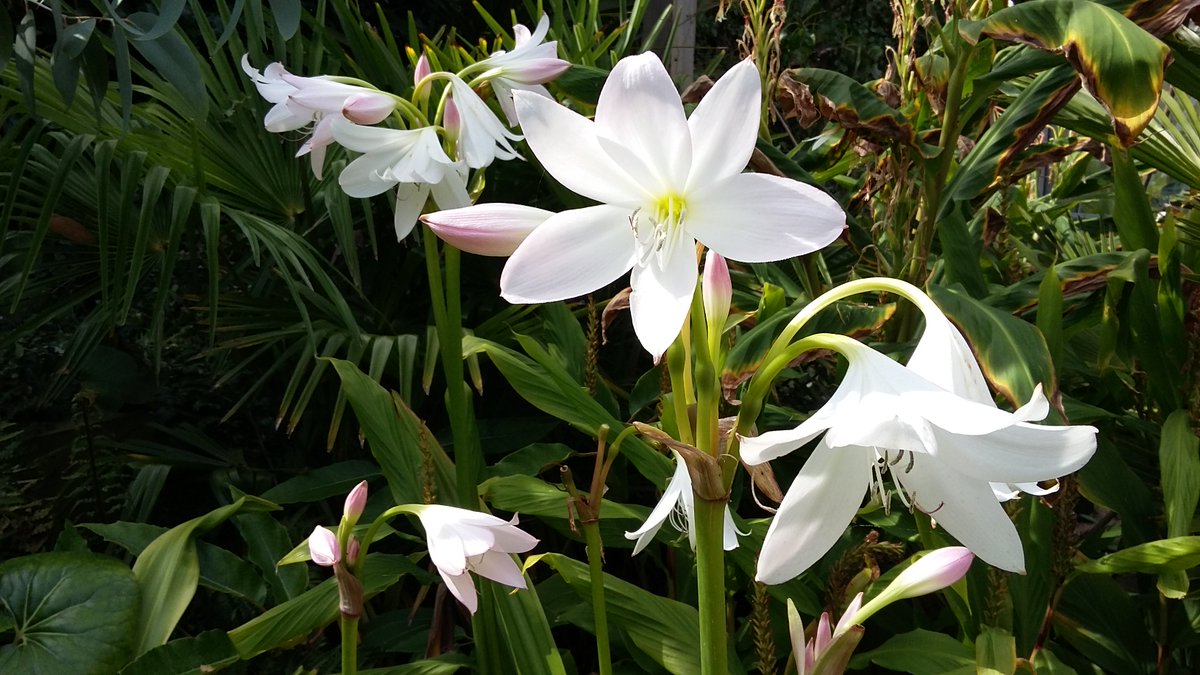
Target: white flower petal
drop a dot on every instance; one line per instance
(758, 218)
(639, 109)
(966, 508)
(571, 254)
(410, 201)
(662, 295)
(724, 126)
(565, 143)
(499, 567)
(815, 511)
(462, 587)
(765, 447)
(364, 177)
(1021, 453)
(943, 357)
(680, 481)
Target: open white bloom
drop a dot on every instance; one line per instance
(410, 159)
(663, 181)
(300, 101)
(942, 450)
(462, 541)
(530, 64)
(481, 135)
(323, 547)
(677, 504)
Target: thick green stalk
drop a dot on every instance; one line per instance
(349, 627)
(595, 554)
(708, 519)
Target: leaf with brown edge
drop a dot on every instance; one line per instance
(1118, 62)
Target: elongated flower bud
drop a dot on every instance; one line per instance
(355, 502)
(717, 291)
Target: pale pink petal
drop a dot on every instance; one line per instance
(487, 229)
(565, 143)
(818, 506)
(724, 126)
(662, 294)
(368, 107)
(571, 254)
(323, 547)
(758, 218)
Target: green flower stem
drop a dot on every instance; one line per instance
(595, 555)
(680, 393)
(707, 383)
(710, 576)
(349, 628)
(447, 316)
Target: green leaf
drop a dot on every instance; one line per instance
(919, 652)
(73, 613)
(290, 622)
(995, 652)
(396, 437)
(443, 665)
(174, 59)
(665, 630)
(1131, 205)
(1179, 465)
(1164, 555)
(322, 483)
(1099, 619)
(1050, 315)
(287, 17)
(206, 653)
(1011, 352)
(1119, 63)
(168, 572)
(168, 15)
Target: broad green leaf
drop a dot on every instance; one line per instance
(396, 437)
(1131, 207)
(1099, 619)
(995, 652)
(665, 630)
(529, 496)
(552, 390)
(1049, 664)
(1119, 63)
(919, 652)
(205, 653)
(1108, 480)
(169, 570)
(73, 612)
(1050, 315)
(1179, 465)
(1163, 555)
(849, 104)
(323, 482)
(443, 665)
(175, 61)
(290, 622)
(1011, 352)
(524, 630)
(287, 17)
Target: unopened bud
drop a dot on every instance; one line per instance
(355, 502)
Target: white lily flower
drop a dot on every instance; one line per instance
(481, 136)
(942, 449)
(462, 541)
(677, 504)
(530, 64)
(412, 160)
(664, 181)
(300, 101)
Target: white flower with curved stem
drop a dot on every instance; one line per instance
(461, 542)
(527, 67)
(942, 450)
(412, 160)
(664, 181)
(300, 101)
(480, 135)
(677, 505)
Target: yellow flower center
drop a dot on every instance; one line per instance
(656, 227)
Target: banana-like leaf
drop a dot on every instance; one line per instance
(1177, 553)
(849, 104)
(1179, 465)
(1120, 64)
(918, 651)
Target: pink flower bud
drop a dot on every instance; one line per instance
(486, 229)
(933, 572)
(323, 547)
(421, 71)
(368, 107)
(355, 501)
(451, 120)
(716, 289)
(352, 550)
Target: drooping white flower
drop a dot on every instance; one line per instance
(461, 542)
(301, 101)
(482, 137)
(677, 504)
(663, 181)
(527, 67)
(942, 450)
(412, 160)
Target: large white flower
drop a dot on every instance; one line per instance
(412, 160)
(664, 181)
(462, 541)
(942, 449)
(678, 500)
(300, 101)
(530, 64)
